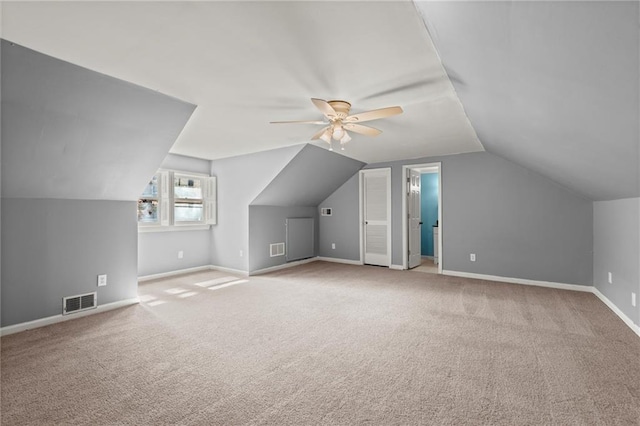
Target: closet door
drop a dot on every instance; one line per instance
(377, 216)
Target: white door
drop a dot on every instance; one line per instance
(414, 216)
(377, 216)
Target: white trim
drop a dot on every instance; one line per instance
(397, 267)
(283, 266)
(229, 270)
(176, 272)
(435, 167)
(524, 281)
(338, 260)
(16, 328)
(635, 328)
(388, 174)
(361, 214)
(172, 228)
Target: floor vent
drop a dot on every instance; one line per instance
(82, 302)
(276, 249)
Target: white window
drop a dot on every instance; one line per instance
(174, 200)
(188, 201)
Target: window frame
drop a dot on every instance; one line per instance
(167, 201)
(174, 200)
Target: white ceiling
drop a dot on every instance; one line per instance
(551, 85)
(245, 64)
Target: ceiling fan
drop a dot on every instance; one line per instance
(337, 112)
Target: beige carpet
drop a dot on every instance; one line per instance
(329, 344)
(427, 265)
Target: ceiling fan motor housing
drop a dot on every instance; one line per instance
(341, 108)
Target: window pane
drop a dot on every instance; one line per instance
(187, 212)
(147, 211)
(152, 188)
(187, 187)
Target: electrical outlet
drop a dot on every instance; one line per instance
(633, 299)
(180, 254)
(333, 246)
(102, 280)
(472, 257)
(241, 253)
(610, 277)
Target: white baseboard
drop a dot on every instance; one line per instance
(561, 286)
(229, 270)
(338, 260)
(29, 325)
(397, 267)
(617, 311)
(173, 273)
(283, 266)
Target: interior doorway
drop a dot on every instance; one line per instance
(422, 218)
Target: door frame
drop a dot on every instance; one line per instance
(361, 174)
(422, 168)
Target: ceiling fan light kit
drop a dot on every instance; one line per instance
(337, 112)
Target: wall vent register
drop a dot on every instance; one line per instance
(276, 249)
(78, 303)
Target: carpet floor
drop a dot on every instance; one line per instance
(329, 344)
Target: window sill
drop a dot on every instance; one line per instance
(146, 229)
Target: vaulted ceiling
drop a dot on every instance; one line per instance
(550, 85)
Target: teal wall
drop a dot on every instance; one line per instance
(429, 209)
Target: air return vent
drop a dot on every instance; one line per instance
(78, 303)
(276, 249)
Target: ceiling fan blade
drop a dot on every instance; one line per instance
(364, 130)
(373, 114)
(298, 122)
(317, 135)
(325, 108)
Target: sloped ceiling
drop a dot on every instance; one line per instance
(310, 177)
(71, 133)
(551, 85)
(248, 63)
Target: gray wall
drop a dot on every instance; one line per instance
(537, 94)
(158, 251)
(185, 164)
(240, 180)
(267, 226)
(519, 224)
(309, 178)
(71, 140)
(341, 227)
(56, 248)
(616, 249)
(72, 133)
